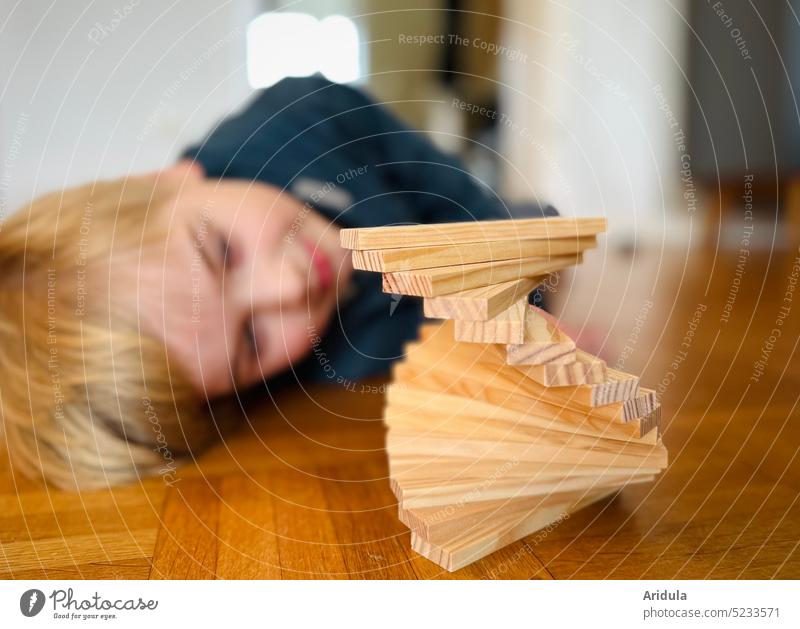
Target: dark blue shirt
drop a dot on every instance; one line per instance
(353, 161)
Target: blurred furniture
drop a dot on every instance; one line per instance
(744, 117)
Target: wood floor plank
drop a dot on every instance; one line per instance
(187, 541)
(246, 538)
(47, 514)
(76, 550)
(373, 542)
(307, 540)
(138, 569)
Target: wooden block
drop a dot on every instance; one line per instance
(472, 375)
(575, 449)
(480, 456)
(497, 480)
(417, 495)
(446, 468)
(453, 279)
(651, 422)
(507, 327)
(411, 258)
(539, 353)
(473, 544)
(643, 404)
(604, 397)
(617, 387)
(480, 304)
(392, 237)
(586, 369)
(479, 383)
(525, 329)
(407, 401)
(443, 523)
(544, 342)
(472, 397)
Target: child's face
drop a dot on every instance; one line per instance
(250, 276)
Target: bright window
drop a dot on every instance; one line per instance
(299, 44)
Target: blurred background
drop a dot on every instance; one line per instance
(672, 118)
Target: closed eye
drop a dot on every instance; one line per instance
(223, 251)
(250, 340)
(246, 354)
(217, 253)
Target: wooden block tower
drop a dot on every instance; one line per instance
(498, 425)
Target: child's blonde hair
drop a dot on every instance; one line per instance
(86, 398)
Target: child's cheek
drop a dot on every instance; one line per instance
(296, 337)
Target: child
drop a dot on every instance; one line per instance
(130, 306)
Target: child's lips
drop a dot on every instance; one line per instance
(322, 266)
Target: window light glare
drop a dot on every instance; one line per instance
(280, 45)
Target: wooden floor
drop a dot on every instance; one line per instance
(302, 492)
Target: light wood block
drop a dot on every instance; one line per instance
(586, 369)
(443, 523)
(411, 258)
(416, 495)
(650, 423)
(544, 342)
(530, 333)
(643, 404)
(480, 304)
(417, 469)
(507, 327)
(617, 387)
(494, 425)
(442, 526)
(575, 449)
(407, 401)
(549, 412)
(473, 544)
(392, 237)
(478, 368)
(539, 353)
(453, 279)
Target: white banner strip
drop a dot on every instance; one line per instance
(400, 604)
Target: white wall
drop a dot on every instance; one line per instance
(587, 131)
(85, 93)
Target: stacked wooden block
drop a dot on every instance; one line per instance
(498, 424)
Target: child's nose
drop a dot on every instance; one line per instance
(275, 285)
